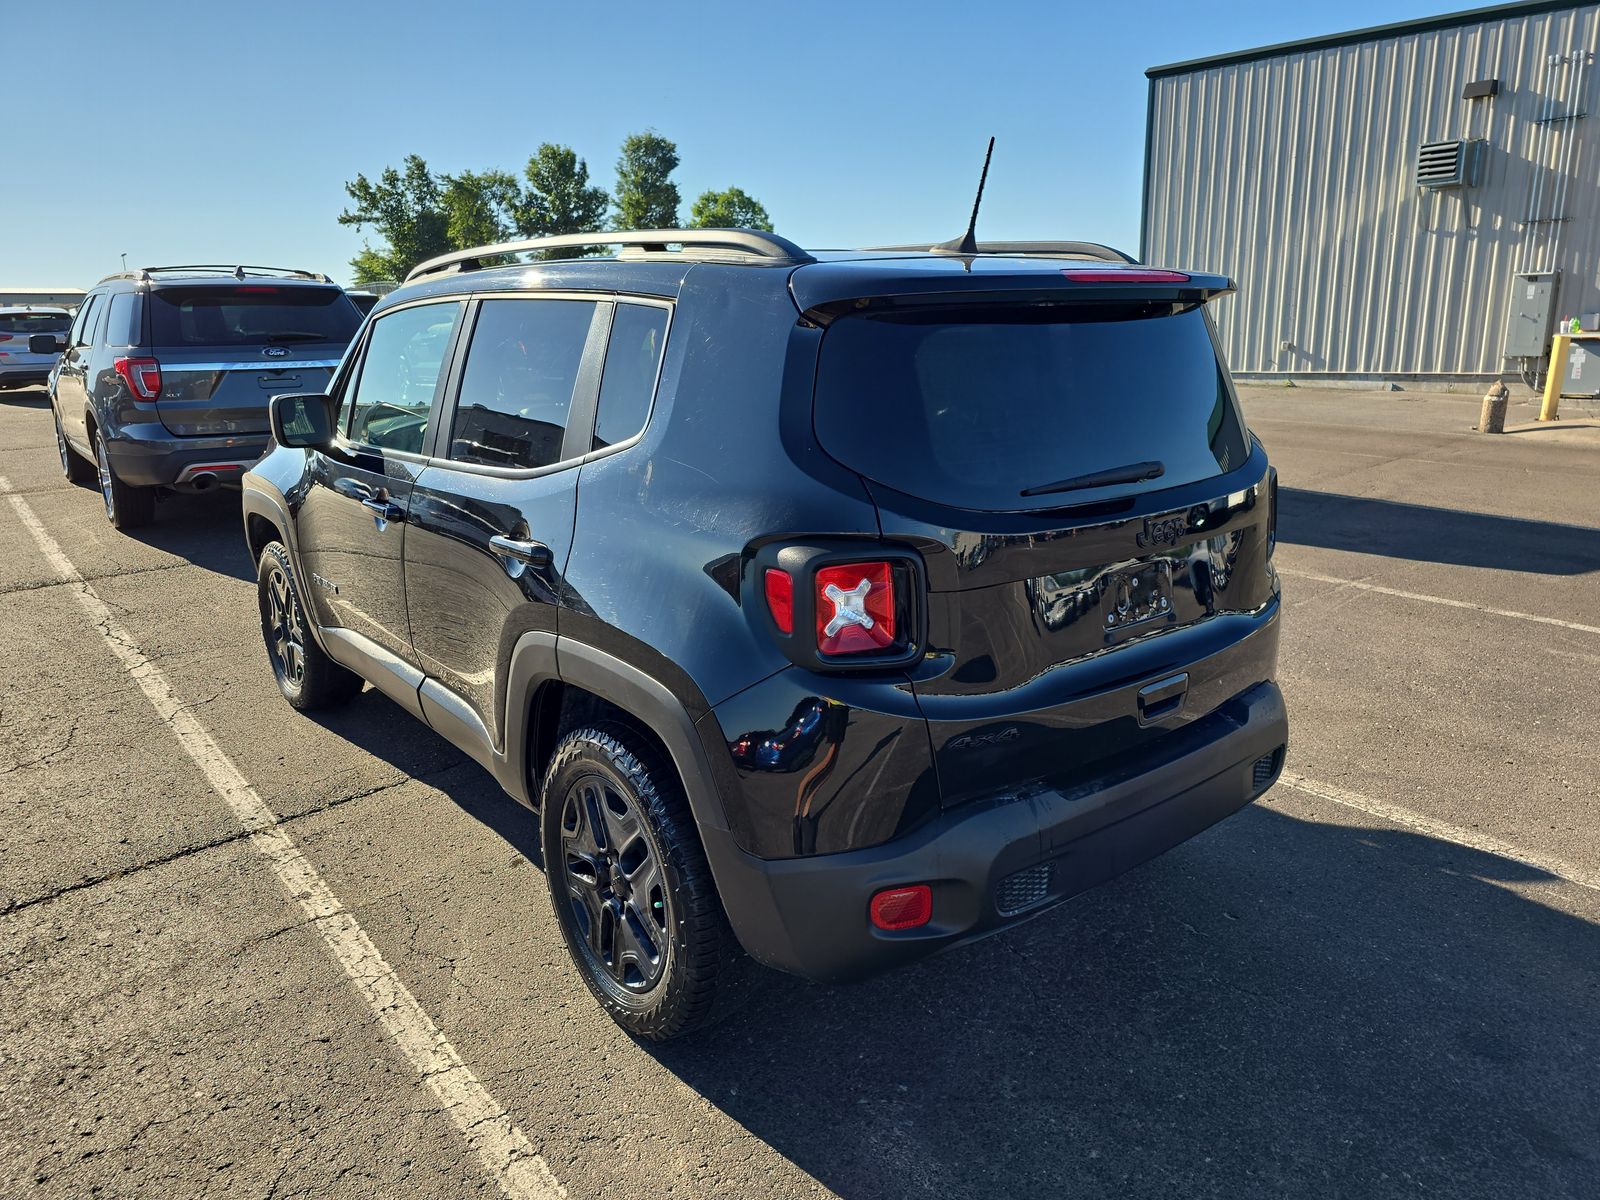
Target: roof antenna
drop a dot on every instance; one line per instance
(967, 243)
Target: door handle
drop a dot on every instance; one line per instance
(524, 553)
(384, 510)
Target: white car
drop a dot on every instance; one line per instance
(19, 366)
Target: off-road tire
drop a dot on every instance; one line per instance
(307, 677)
(705, 973)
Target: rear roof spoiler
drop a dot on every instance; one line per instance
(824, 291)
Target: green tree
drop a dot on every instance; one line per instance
(407, 211)
(646, 196)
(559, 199)
(732, 209)
(480, 207)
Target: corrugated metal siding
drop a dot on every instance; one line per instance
(1296, 175)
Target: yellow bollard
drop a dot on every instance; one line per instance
(1560, 347)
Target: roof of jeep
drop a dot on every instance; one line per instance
(829, 272)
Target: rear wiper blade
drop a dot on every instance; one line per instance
(1132, 473)
(297, 335)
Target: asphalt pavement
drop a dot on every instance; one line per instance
(1383, 979)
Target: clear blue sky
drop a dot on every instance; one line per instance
(183, 132)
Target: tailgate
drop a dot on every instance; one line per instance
(1094, 517)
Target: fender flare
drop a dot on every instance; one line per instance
(538, 658)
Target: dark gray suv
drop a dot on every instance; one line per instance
(165, 375)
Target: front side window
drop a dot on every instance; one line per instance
(516, 388)
(85, 321)
(391, 398)
(633, 359)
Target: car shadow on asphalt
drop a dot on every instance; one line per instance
(382, 728)
(1425, 534)
(206, 529)
(25, 397)
(1279, 1008)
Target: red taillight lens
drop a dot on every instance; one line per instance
(855, 608)
(903, 907)
(5, 337)
(780, 599)
(142, 375)
(1093, 276)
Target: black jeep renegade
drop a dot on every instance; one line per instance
(840, 607)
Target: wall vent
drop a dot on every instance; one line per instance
(1446, 164)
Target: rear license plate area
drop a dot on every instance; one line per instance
(1136, 599)
(279, 382)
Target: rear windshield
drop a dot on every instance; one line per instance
(973, 407)
(250, 315)
(29, 323)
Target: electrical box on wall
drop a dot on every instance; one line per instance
(1533, 312)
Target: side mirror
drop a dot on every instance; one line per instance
(302, 421)
(46, 343)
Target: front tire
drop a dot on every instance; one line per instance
(73, 468)
(632, 893)
(127, 506)
(307, 677)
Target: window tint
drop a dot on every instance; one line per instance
(633, 359)
(28, 323)
(974, 407)
(394, 391)
(122, 326)
(85, 323)
(251, 314)
(516, 389)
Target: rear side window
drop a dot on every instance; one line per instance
(394, 393)
(123, 325)
(973, 407)
(250, 315)
(516, 388)
(28, 323)
(633, 360)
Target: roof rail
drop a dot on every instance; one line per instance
(741, 243)
(1090, 250)
(236, 270)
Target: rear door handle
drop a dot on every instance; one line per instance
(1162, 699)
(521, 552)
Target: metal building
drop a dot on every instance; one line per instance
(1414, 201)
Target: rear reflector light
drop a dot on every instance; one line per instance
(1092, 276)
(902, 907)
(780, 599)
(142, 375)
(855, 608)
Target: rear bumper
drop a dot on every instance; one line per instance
(1001, 860)
(152, 462)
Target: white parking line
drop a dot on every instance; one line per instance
(1443, 830)
(1423, 596)
(504, 1149)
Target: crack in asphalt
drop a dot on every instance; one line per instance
(40, 584)
(189, 851)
